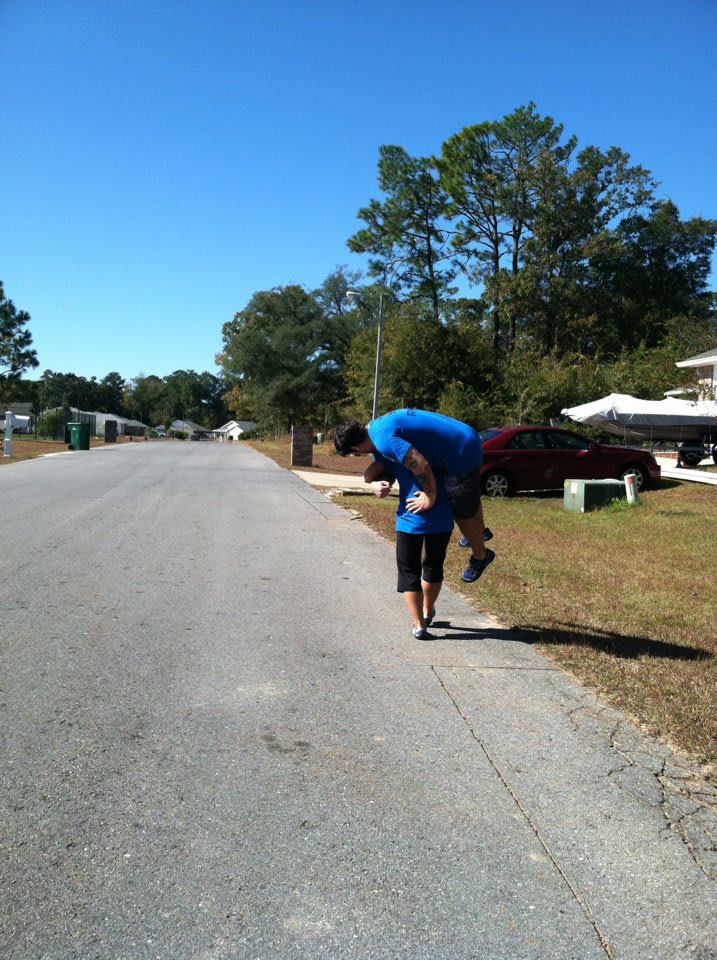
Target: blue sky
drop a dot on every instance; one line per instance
(162, 161)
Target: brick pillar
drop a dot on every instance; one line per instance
(302, 447)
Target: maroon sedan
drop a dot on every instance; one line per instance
(543, 458)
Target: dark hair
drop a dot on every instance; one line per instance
(348, 435)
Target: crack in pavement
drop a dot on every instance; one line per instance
(571, 883)
(655, 776)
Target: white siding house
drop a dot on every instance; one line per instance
(234, 429)
(705, 367)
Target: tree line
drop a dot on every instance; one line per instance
(519, 274)
(183, 395)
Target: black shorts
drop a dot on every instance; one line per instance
(414, 565)
(463, 491)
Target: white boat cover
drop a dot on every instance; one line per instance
(668, 419)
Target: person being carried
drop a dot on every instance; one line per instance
(431, 446)
(422, 539)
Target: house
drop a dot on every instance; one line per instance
(98, 420)
(705, 368)
(234, 429)
(186, 426)
(124, 426)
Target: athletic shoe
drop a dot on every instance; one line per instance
(420, 633)
(487, 535)
(428, 617)
(476, 567)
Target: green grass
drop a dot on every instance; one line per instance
(622, 598)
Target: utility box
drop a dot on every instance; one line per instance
(580, 496)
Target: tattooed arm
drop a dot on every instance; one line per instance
(421, 470)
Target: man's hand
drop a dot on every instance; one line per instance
(381, 488)
(421, 470)
(418, 502)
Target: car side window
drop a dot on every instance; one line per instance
(569, 441)
(529, 440)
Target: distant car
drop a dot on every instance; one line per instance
(543, 458)
(195, 436)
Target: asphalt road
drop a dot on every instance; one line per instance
(219, 740)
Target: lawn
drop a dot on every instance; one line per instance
(622, 598)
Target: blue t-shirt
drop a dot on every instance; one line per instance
(451, 447)
(439, 519)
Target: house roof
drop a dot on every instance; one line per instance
(701, 360)
(19, 409)
(243, 425)
(188, 426)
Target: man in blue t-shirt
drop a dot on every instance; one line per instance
(430, 445)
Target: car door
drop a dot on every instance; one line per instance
(575, 457)
(531, 461)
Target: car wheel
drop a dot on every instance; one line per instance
(641, 478)
(497, 483)
(714, 453)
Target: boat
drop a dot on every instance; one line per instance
(690, 423)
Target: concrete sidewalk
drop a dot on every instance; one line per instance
(670, 471)
(339, 481)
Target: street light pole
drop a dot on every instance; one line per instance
(377, 374)
(355, 294)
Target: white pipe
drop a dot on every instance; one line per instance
(631, 488)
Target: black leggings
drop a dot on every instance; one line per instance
(413, 565)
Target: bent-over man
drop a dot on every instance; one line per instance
(430, 444)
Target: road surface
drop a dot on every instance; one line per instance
(219, 741)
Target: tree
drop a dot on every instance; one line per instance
(529, 215)
(488, 173)
(535, 387)
(406, 236)
(18, 391)
(578, 212)
(420, 354)
(236, 403)
(198, 397)
(344, 312)
(651, 268)
(112, 393)
(61, 389)
(280, 351)
(16, 353)
(145, 400)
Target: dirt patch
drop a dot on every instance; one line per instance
(324, 458)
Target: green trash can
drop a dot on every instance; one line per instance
(79, 436)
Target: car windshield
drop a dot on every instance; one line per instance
(489, 434)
